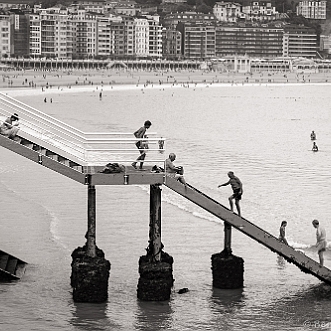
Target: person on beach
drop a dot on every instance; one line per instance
(320, 240)
(282, 233)
(9, 127)
(237, 188)
(313, 135)
(173, 171)
(315, 147)
(140, 133)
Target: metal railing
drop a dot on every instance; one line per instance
(88, 148)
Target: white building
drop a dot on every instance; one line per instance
(312, 9)
(155, 36)
(141, 46)
(35, 36)
(260, 10)
(227, 11)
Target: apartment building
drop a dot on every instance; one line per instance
(325, 44)
(312, 9)
(198, 40)
(155, 36)
(97, 6)
(227, 11)
(172, 20)
(299, 41)
(141, 37)
(171, 44)
(35, 36)
(20, 34)
(249, 40)
(259, 10)
(5, 33)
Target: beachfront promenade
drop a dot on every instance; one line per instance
(231, 63)
(81, 156)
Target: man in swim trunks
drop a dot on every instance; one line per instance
(237, 188)
(172, 170)
(141, 145)
(321, 240)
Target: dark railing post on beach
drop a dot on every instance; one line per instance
(155, 268)
(228, 270)
(90, 269)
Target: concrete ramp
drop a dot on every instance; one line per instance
(302, 261)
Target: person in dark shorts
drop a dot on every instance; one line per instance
(140, 133)
(237, 188)
(321, 242)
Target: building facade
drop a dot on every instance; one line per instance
(227, 11)
(312, 9)
(198, 40)
(5, 33)
(299, 41)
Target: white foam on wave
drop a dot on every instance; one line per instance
(53, 228)
(172, 199)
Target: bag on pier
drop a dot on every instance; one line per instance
(112, 168)
(157, 169)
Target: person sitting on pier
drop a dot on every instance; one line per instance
(321, 240)
(9, 127)
(282, 233)
(315, 148)
(173, 171)
(313, 135)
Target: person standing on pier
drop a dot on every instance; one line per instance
(140, 133)
(237, 188)
(321, 240)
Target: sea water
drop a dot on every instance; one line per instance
(261, 133)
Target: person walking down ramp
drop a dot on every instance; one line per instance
(237, 188)
(321, 240)
(140, 133)
(282, 233)
(9, 127)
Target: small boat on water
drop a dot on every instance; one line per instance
(11, 267)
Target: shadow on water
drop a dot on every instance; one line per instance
(153, 316)
(92, 317)
(227, 300)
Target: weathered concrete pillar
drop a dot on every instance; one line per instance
(228, 269)
(155, 268)
(90, 269)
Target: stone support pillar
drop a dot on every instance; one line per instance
(90, 269)
(155, 268)
(228, 270)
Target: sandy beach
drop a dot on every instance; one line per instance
(61, 80)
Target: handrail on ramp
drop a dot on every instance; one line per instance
(302, 261)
